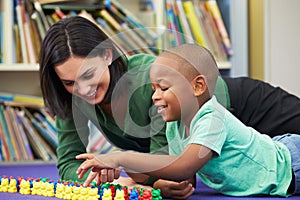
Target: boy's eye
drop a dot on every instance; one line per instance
(88, 76)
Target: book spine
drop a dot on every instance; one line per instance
(35, 140)
(16, 134)
(193, 21)
(10, 146)
(12, 134)
(185, 25)
(8, 34)
(212, 6)
(22, 33)
(24, 136)
(3, 144)
(173, 39)
(46, 126)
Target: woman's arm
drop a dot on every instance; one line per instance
(176, 168)
(70, 145)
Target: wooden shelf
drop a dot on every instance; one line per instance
(19, 67)
(20, 79)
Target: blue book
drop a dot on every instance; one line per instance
(6, 96)
(7, 134)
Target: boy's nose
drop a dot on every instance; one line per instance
(156, 95)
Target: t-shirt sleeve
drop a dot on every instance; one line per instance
(209, 130)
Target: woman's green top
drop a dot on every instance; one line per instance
(142, 130)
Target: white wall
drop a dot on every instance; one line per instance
(239, 37)
(282, 44)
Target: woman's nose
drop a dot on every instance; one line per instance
(83, 89)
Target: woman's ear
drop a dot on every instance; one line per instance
(108, 56)
(199, 85)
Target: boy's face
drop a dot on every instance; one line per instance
(173, 94)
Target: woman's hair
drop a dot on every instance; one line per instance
(78, 37)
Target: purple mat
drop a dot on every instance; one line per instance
(50, 171)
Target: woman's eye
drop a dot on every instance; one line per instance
(164, 88)
(68, 83)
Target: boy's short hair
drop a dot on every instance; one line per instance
(196, 60)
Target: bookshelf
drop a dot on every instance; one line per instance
(17, 77)
(21, 78)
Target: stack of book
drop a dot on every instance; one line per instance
(27, 131)
(29, 20)
(194, 21)
(177, 22)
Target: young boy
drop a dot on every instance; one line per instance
(204, 137)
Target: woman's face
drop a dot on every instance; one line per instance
(87, 78)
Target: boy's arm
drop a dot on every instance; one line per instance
(176, 168)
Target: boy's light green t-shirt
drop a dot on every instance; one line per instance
(244, 161)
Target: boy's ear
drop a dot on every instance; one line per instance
(199, 85)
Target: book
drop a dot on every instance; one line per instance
(41, 15)
(39, 24)
(8, 34)
(172, 29)
(40, 148)
(67, 1)
(11, 153)
(3, 143)
(194, 24)
(178, 23)
(15, 134)
(146, 33)
(213, 33)
(212, 6)
(35, 37)
(40, 124)
(88, 16)
(12, 134)
(17, 44)
(186, 30)
(49, 118)
(29, 38)
(20, 22)
(24, 137)
(131, 17)
(123, 31)
(205, 29)
(21, 99)
(48, 130)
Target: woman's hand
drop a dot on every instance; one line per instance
(174, 190)
(101, 170)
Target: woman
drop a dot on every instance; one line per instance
(85, 77)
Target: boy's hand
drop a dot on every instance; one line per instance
(101, 171)
(174, 190)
